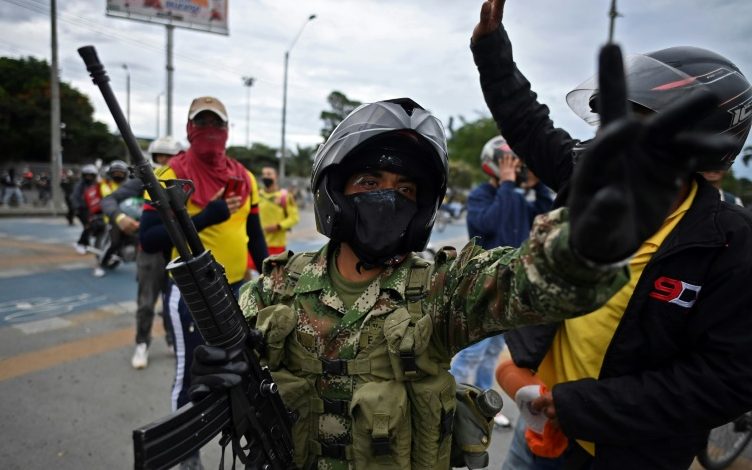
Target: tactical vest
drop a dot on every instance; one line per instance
(403, 397)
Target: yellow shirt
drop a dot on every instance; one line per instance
(272, 213)
(107, 187)
(227, 241)
(580, 344)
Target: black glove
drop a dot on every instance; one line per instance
(215, 369)
(629, 177)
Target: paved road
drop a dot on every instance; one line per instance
(70, 396)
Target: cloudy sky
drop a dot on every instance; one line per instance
(368, 49)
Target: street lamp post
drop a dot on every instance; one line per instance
(248, 81)
(156, 136)
(127, 103)
(282, 150)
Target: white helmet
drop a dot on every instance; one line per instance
(166, 145)
(492, 152)
(89, 169)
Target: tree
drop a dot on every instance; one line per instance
(301, 162)
(461, 176)
(25, 117)
(341, 106)
(465, 143)
(256, 157)
(746, 154)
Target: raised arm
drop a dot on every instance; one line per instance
(525, 122)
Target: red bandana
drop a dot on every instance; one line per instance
(207, 165)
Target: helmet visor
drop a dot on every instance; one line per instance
(651, 84)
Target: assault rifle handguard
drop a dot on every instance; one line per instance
(252, 412)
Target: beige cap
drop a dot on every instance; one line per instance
(207, 103)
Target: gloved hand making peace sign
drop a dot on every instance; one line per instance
(630, 176)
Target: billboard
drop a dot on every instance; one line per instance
(203, 15)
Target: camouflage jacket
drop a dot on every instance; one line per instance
(466, 297)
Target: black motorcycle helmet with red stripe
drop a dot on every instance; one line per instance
(657, 79)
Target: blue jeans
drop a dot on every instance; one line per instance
(478, 361)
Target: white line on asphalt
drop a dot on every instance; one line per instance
(41, 326)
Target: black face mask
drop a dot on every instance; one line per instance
(381, 221)
(118, 179)
(268, 182)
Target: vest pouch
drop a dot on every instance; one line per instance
(432, 406)
(407, 342)
(472, 428)
(296, 393)
(275, 322)
(381, 426)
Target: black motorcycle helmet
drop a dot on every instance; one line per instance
(117, 166)
(657, 79)
(396, 135)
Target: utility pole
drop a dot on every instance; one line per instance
(248, 82)
(56, 159)
(282, 150)
(158, 114)
(127, 105)
(170, 70)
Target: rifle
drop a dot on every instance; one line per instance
(252, 411)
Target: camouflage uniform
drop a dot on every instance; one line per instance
(347, 372)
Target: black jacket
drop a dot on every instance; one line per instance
(680, 361)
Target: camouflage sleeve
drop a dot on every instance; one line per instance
(481, 293)
(251, 299)
(262, 291)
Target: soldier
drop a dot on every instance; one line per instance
(359, 335)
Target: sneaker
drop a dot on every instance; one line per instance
(80, 249)
(99, 272)
(502, 421)
(140, 357)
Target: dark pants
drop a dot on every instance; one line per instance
(113, 247)
(70, 213)
(187, 338)
(152, 281)
(86, 232)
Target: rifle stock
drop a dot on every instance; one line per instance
(254, 411)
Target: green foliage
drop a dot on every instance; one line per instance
(746, 155)
(25, 117)
(464, 145)
(301, 162)
(256, 157)
(260, 155)
(341, 106)
(741, 187)
(461, 175)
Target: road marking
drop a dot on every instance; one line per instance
(38, 308)
(42, 326)
(35, 361)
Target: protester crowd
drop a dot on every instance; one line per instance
(614, 270)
